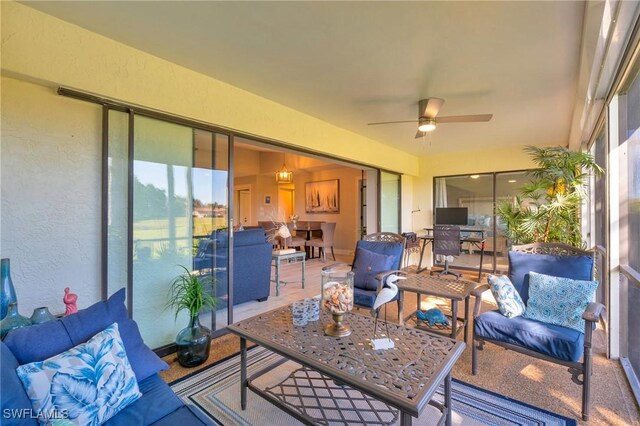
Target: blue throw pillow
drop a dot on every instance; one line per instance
(86, 385)
(369, 264)
(559, 301)
(574, 267)
(509, 301)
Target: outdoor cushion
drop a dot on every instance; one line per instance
(157, 401)
(509, 302)
(388, 248)
(182, 416)
(520, 264)
(12, 394)
(367, 265)
(560, 301)
(58, 336)
(87, 384)
(548, 339)
(52, 338)
(364, 297)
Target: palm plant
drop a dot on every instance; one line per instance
(189, 292)
(548, 207)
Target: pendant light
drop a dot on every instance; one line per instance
(284, 175)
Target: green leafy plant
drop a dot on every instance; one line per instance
(548, 206)
(191, 292)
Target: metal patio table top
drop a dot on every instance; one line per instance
(405, 377)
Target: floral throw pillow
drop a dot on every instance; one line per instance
(86, 385)
(509, 301)
(559, 301)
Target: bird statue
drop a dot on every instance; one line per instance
(386, 295)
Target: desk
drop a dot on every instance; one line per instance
(478, 242)
(277, 258)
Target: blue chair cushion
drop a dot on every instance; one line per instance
(363, 297)
(156, 402)
(509, 302)
(548, 339)
(367, 265)
(383, 247)
(560, 301)
(12, 394)
(520, 264)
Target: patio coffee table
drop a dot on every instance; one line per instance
(278, 258)
(454, 290)
(343, 380)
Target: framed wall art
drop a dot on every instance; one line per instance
(322, 196)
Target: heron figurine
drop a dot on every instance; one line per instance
(386, 295)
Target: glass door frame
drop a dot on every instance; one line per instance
(494, 227)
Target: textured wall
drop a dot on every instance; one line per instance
(50, 210)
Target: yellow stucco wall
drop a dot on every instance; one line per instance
(39, 47)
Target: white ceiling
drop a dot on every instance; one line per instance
(350, 63)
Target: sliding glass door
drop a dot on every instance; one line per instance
(389, 202)
(167, 203)
(477, 196)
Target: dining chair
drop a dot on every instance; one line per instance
(324, 241)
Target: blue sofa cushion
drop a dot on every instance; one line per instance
(91, 382)
(388, 248)
(54, 337)
(12, 394)
(520, 264)
(87, 322)
(367, 265)
(157, 401)
(182, 416)
(548, 339)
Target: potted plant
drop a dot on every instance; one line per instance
(548, 206)
(190, 292)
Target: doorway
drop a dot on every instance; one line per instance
(286, 200)
(242, 201)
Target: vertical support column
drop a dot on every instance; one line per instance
(243, 373)
(614, 184)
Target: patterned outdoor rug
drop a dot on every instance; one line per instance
(216, 391)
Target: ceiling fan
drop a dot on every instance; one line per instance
(427, 117)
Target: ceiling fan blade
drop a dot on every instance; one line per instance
(464, 118)
(420, 134)
(429, 107)
(392, 122)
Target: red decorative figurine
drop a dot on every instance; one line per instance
(69, 300)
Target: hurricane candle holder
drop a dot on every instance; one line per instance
(337, 298)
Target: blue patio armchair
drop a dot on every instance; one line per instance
(558, 344)
(375, 254)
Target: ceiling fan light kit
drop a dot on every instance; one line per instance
(427, 124)
(428, 110)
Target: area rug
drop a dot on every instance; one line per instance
(216, 392)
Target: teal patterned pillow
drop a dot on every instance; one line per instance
(509, 301)
(559, 301)
(86, 385)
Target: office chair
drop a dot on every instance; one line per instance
(446, 242)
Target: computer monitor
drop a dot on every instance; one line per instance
(451, 215)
